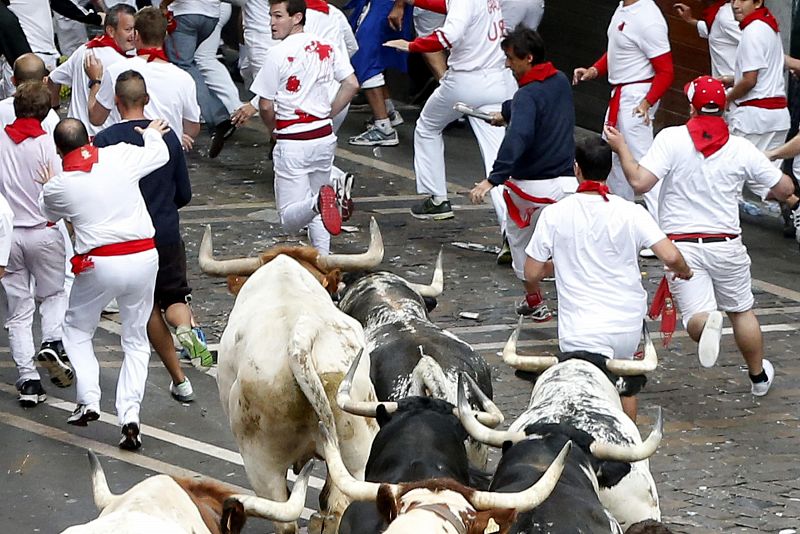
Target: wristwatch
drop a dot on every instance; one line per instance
(92, 83)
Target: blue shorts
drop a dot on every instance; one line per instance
(371, 32)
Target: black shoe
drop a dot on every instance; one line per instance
(53, 358)
(222, 131)
(130, 440)
(31, 393)
(83, 415)
(429, 210)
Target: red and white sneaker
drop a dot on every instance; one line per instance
(328, 208)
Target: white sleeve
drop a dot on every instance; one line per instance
(647, 231)
(702, 29)
(267, 81)
(63, 73)
(144, 160)
(105, 96)
(191, 109)
(540, 247)
(456, 23)
(345, 30)
(51, 200)
(341, 66)
(6, 227)
(658, 159)
(760, 170)
(752, 51)
(655, 41)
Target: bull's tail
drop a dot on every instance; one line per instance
(429, 380)
(102, 494)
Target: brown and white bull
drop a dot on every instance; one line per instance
(173, 505)
(282, 356)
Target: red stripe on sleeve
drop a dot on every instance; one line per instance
(427, 44)
(437, 6)
(601, 65)
(662, 79)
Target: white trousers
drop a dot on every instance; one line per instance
(131, 280)
(484, 90)
(639, 137)
(301, 168)
(71, 34)
(257, 45)
(36, 253)
(529, 13)
(337, 174)
(216, 76)
(618, 346)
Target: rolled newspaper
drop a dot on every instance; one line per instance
(467, 110)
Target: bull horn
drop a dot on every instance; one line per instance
(491, 415)
(357, 490)
(530, 498)
(283, 512)
(534, 364)
(437, 284)
(239, 266)
(362, 408)
(354, 262)
(637, 367)
(102, 493)
(631, 453)
(479, 432)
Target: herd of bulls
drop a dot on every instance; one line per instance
(400, 410)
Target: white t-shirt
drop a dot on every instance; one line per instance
(36, 21)
(105, 205)
(472, 30)
(723, 40)
(700, 195)
(71, 73)
(171, 90)
(7, 116)
(297, 75)
(595, 249)
(332, 27)
(760, 50)
(637, 33)
(19, 175)
(6, 227)
(209, 8)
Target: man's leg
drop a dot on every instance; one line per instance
(747, 333)
(381, 133)
(214, 73)
(161, 338)
(19, 322)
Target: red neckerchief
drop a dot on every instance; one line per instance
(763, 14)
(318, 5)
(154, 53)
(594, 186)
(22, 129)
(709, 14)
(537, 73)
(105, 41)
(81, 159)
(708, 134)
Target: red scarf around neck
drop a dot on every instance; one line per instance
(709, 14)
(81, 159)
(154, 53)
(24, 128)
(594, 186)
(708, 134)
(537, 73)
(104, 41)
(763, 14)
(318, 5)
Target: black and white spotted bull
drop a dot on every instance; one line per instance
(410, 355)
(577, 394)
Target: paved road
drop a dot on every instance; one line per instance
(728, 462)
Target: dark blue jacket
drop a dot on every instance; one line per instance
(539, 141)
(166, 189)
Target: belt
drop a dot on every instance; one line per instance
(613, 103)
(306, 136)
(83, 262)
(772, 102)
(702, 238)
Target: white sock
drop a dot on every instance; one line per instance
(437, 200)
(384, 125)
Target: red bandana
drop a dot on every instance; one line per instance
(708, 134)
(81, 159)
(709, 13)
(105, 41)
(22, 129)
(154, 53)
(318, 5)
(537, 73)
(593, 185)
(763, 14)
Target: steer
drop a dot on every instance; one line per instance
(576, 397)
(283, 353)
(409, 354)
(172, 505)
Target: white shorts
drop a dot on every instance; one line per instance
(721, 279)
(621, 346)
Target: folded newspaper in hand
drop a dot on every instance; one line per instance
(466, 110)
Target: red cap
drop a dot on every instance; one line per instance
(706, 94)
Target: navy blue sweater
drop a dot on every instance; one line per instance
(166, 189)
(539, 141)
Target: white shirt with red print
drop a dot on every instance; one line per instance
(723, 40)
(637, 33)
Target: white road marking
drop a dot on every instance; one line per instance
(776, 290)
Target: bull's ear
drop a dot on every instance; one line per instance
(386, 503)
(233, 517)
(610, 472)
(382, 415)
(498, 521)
(629, 386)
(235, 283)
(430, 303)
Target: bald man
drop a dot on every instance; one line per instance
(27, 68)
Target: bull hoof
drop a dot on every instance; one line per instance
(323, 524)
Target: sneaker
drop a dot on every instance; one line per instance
(328, 208)
(647, 253)
(198, 351)
(539, 314)
(52, 357)
(83, 415)
(222, 131)
(428, 210)
(708, 347)
(759, 389)
(111, 307)
(787, 216)
(795, 216)
(131, 439)
(183, 392)
(504, 256)
(344, 196)
(31, 393)
(395, 119)
(375, 137)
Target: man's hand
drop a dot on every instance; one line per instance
(685, 12)
(396, 16)
(159, 125)
(497, 119)
(187, 142)
(93, 67)
(478, 193)
(45, 172)
(399, 44)
(683, 275)
(727, 81)
(643, 111)
(243, 114)
(583, 75)
(614, 138)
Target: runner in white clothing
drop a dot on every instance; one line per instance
(718, 25)
(98, 192)
(703, 167)
(27, 68)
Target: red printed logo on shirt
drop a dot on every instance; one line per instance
(290, 59)
(322, 50)
(293, 84)
(621, 26)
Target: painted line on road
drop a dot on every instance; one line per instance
(776, 290)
